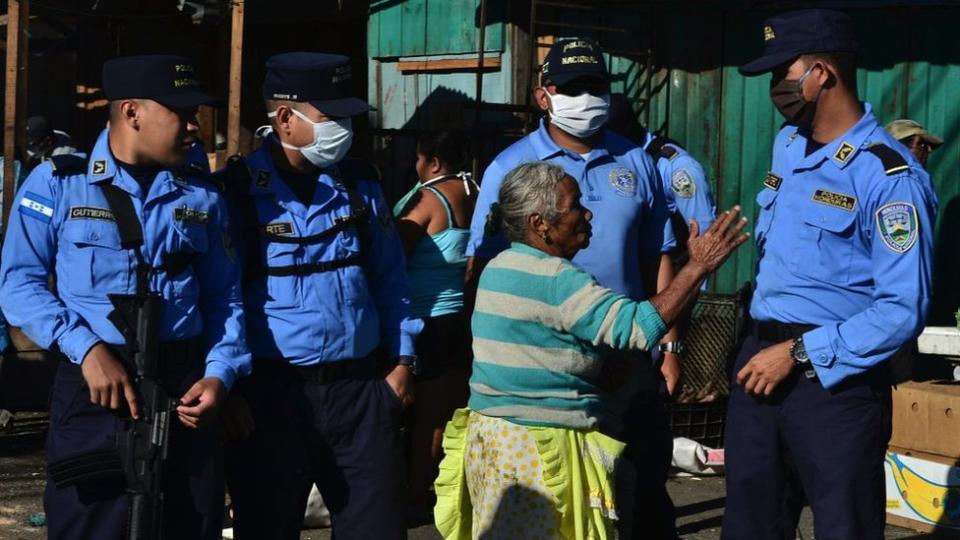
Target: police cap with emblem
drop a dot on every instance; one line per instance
(570, 59)
(789, 35)
(165, 78)
(323, 80)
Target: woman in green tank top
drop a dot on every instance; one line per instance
(433, 220)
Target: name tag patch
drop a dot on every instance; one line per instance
(190, 215)
(280, 229)
(838, 200)
(898, 226)
(91, 212)
(772, 181)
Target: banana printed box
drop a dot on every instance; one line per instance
(923, 492)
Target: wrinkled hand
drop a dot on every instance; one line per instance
(108, 380)
(236, 420)
(766, 369)
(401, 381)
(199, 405)
(712, 248)
(670, 369)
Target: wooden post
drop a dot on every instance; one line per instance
(236, 64)
(15, 99)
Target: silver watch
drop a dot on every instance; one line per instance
(675, 347)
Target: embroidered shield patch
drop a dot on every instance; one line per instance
(898, 227)
(682, 184)
(624, 182)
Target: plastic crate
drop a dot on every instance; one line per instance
(702, 422)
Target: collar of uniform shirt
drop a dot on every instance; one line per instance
(854, 138)
(546, 148)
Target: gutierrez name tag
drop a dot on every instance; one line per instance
(838, 200)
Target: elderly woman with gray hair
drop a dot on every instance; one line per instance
(525, 460)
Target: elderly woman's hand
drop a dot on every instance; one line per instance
(718, 242)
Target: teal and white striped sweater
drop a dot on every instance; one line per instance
(538, 328)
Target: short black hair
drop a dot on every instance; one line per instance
(843, 62)
(449, 146)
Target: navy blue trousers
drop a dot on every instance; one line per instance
(192, 473)
(805, 444)
(344, 436)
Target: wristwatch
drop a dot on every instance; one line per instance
(675, 347)
(798, 352)
(411, 361)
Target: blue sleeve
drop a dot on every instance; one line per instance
(690, 191)
(29, 254)
(218, 271)
(387, 277)
(481, 244)
(900, 218)
(656, 232)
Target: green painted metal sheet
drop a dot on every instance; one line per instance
(431, 27)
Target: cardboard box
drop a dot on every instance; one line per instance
(923, 492)
(926, 417)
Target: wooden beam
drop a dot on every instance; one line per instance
(236, 63)
(450, 64)
(15, 99)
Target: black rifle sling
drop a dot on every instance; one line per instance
(238, 187)
(131, 232)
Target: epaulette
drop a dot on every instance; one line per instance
(67, 164)
(892, 161)
(659, 149)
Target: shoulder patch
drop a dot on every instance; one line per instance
(898, 226)
(682, 184)
(36, 206)
(893, 162)
(65, 164)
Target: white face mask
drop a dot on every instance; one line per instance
(331, 140)
(580, 116)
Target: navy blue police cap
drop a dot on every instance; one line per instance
(569, 59)
(788, 35)
(165, 78)
(323, 80)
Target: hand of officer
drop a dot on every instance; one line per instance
(236, 420)
(199, 405)
(670, 369)
(108, 380)
(718, 242)
(401, 381)
(766, 369)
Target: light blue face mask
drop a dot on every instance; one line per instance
(331, 140)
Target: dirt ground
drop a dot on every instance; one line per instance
(699, 501)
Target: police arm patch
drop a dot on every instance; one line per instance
(682, 184)
(898, 226)
(36, 206)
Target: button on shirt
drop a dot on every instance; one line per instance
(61, 222)
(619, 185)
(845, 243)
(325, 316)
(685, 185)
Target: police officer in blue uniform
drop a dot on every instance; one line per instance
(326, 299)
(845, 240)
(63, 224)
(684, 178)
(632, 235)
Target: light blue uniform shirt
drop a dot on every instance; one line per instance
(61, 223)
(326, 316)
(619, 184)
(685, 185)
(845, 243)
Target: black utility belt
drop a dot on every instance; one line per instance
(368, 367)
(779, 332)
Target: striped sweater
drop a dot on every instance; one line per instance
(538, 330)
